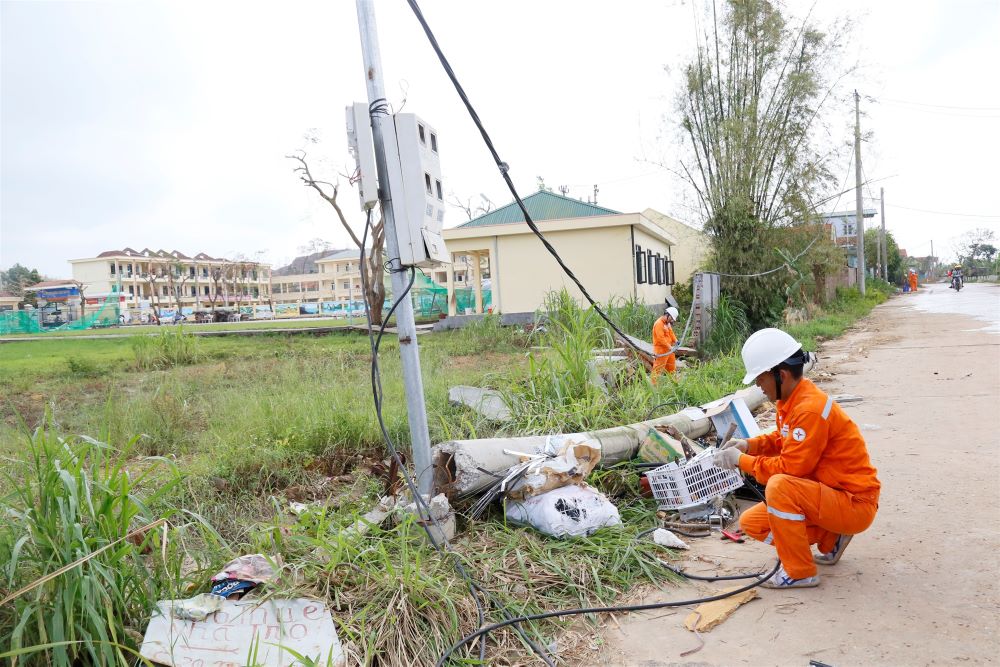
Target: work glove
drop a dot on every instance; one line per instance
(727, 459)
(737, 443)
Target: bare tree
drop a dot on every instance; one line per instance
(467, 206)
(150, 279)
(375, 289)
(217, 276)
(177, 275)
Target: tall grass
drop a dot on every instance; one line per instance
(730, 328)
(632, 316)
(69, 498)
(172, 347)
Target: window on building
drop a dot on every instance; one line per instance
(131, 290)
(345, 285)
(657, 269)
(204, 272)
(194, 291)
(423, 136)
(650, 268)
(427, 183)
(191, 271)
(670, 272)
(163, 291)
(434, 142)
(438, 184)
(640, 265)
(112, 268)
(205, 290)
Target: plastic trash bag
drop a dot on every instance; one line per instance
(569, 511)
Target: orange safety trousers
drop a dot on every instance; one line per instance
(800, 512)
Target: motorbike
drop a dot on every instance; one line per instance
(956, 282)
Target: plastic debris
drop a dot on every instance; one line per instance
(570, 511)
(255, 567)
(197, 608)
(564, 461)
(665, 538)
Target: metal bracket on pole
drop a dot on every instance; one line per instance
(384, 137)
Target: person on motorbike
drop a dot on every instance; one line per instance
(956, 277)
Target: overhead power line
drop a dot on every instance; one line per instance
(953, 213)
(938, 106)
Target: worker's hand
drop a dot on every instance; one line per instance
(727, 459)
(737, 443)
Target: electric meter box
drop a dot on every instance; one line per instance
(419, 212)
(362, 147)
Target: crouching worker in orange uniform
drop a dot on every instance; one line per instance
(821, 487)
(664, 339)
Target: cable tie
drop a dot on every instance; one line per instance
(504, 167)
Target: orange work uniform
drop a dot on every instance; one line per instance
(819, 480)
(664, 338)
(913, 282)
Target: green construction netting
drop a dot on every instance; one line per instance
(431, 299)
(40, 320)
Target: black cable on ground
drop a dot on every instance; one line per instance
(475, 589)
(504, 168)
(603, 610)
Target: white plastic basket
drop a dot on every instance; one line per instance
(692, 482)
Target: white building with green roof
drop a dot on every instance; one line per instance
(614, 254)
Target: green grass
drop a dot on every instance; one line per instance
(70, 499)
(133, 329)
(245, 421)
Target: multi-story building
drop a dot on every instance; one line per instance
(160, 279)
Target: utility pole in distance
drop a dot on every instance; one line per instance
(860, 208)
(387, 165)
(885, 251)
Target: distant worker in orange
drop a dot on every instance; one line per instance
(821, 487)
(664, 340)
(913, 280)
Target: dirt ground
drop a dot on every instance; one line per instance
(922, 585)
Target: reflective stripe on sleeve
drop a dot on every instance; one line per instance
(786, 515)
(827, 408)
(769, 539)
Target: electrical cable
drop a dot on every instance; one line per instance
(505, 168)
(475, 589)
(605, 610)
(958, 215)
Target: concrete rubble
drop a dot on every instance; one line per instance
(487, 402)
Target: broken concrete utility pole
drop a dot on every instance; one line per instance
(384, 138)
(472, 464)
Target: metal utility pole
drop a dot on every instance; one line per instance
(384, 137)
(860, 207)
(885, 251)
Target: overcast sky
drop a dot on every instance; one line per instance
(165, 124)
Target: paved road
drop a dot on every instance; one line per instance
(922, 585)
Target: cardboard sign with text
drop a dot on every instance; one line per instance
(245, 633)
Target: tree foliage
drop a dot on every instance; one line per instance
(977, 249)
(893, 258)
(750, 112)
(17, 277)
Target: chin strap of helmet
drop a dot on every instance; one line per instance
(777, 382)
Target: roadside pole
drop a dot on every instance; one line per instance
(860, 207)
(384, 137)
(885, 252)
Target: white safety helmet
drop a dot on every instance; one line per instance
(671, 311)
(765, 349)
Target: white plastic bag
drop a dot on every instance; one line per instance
(569, 511)
(665, 538)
